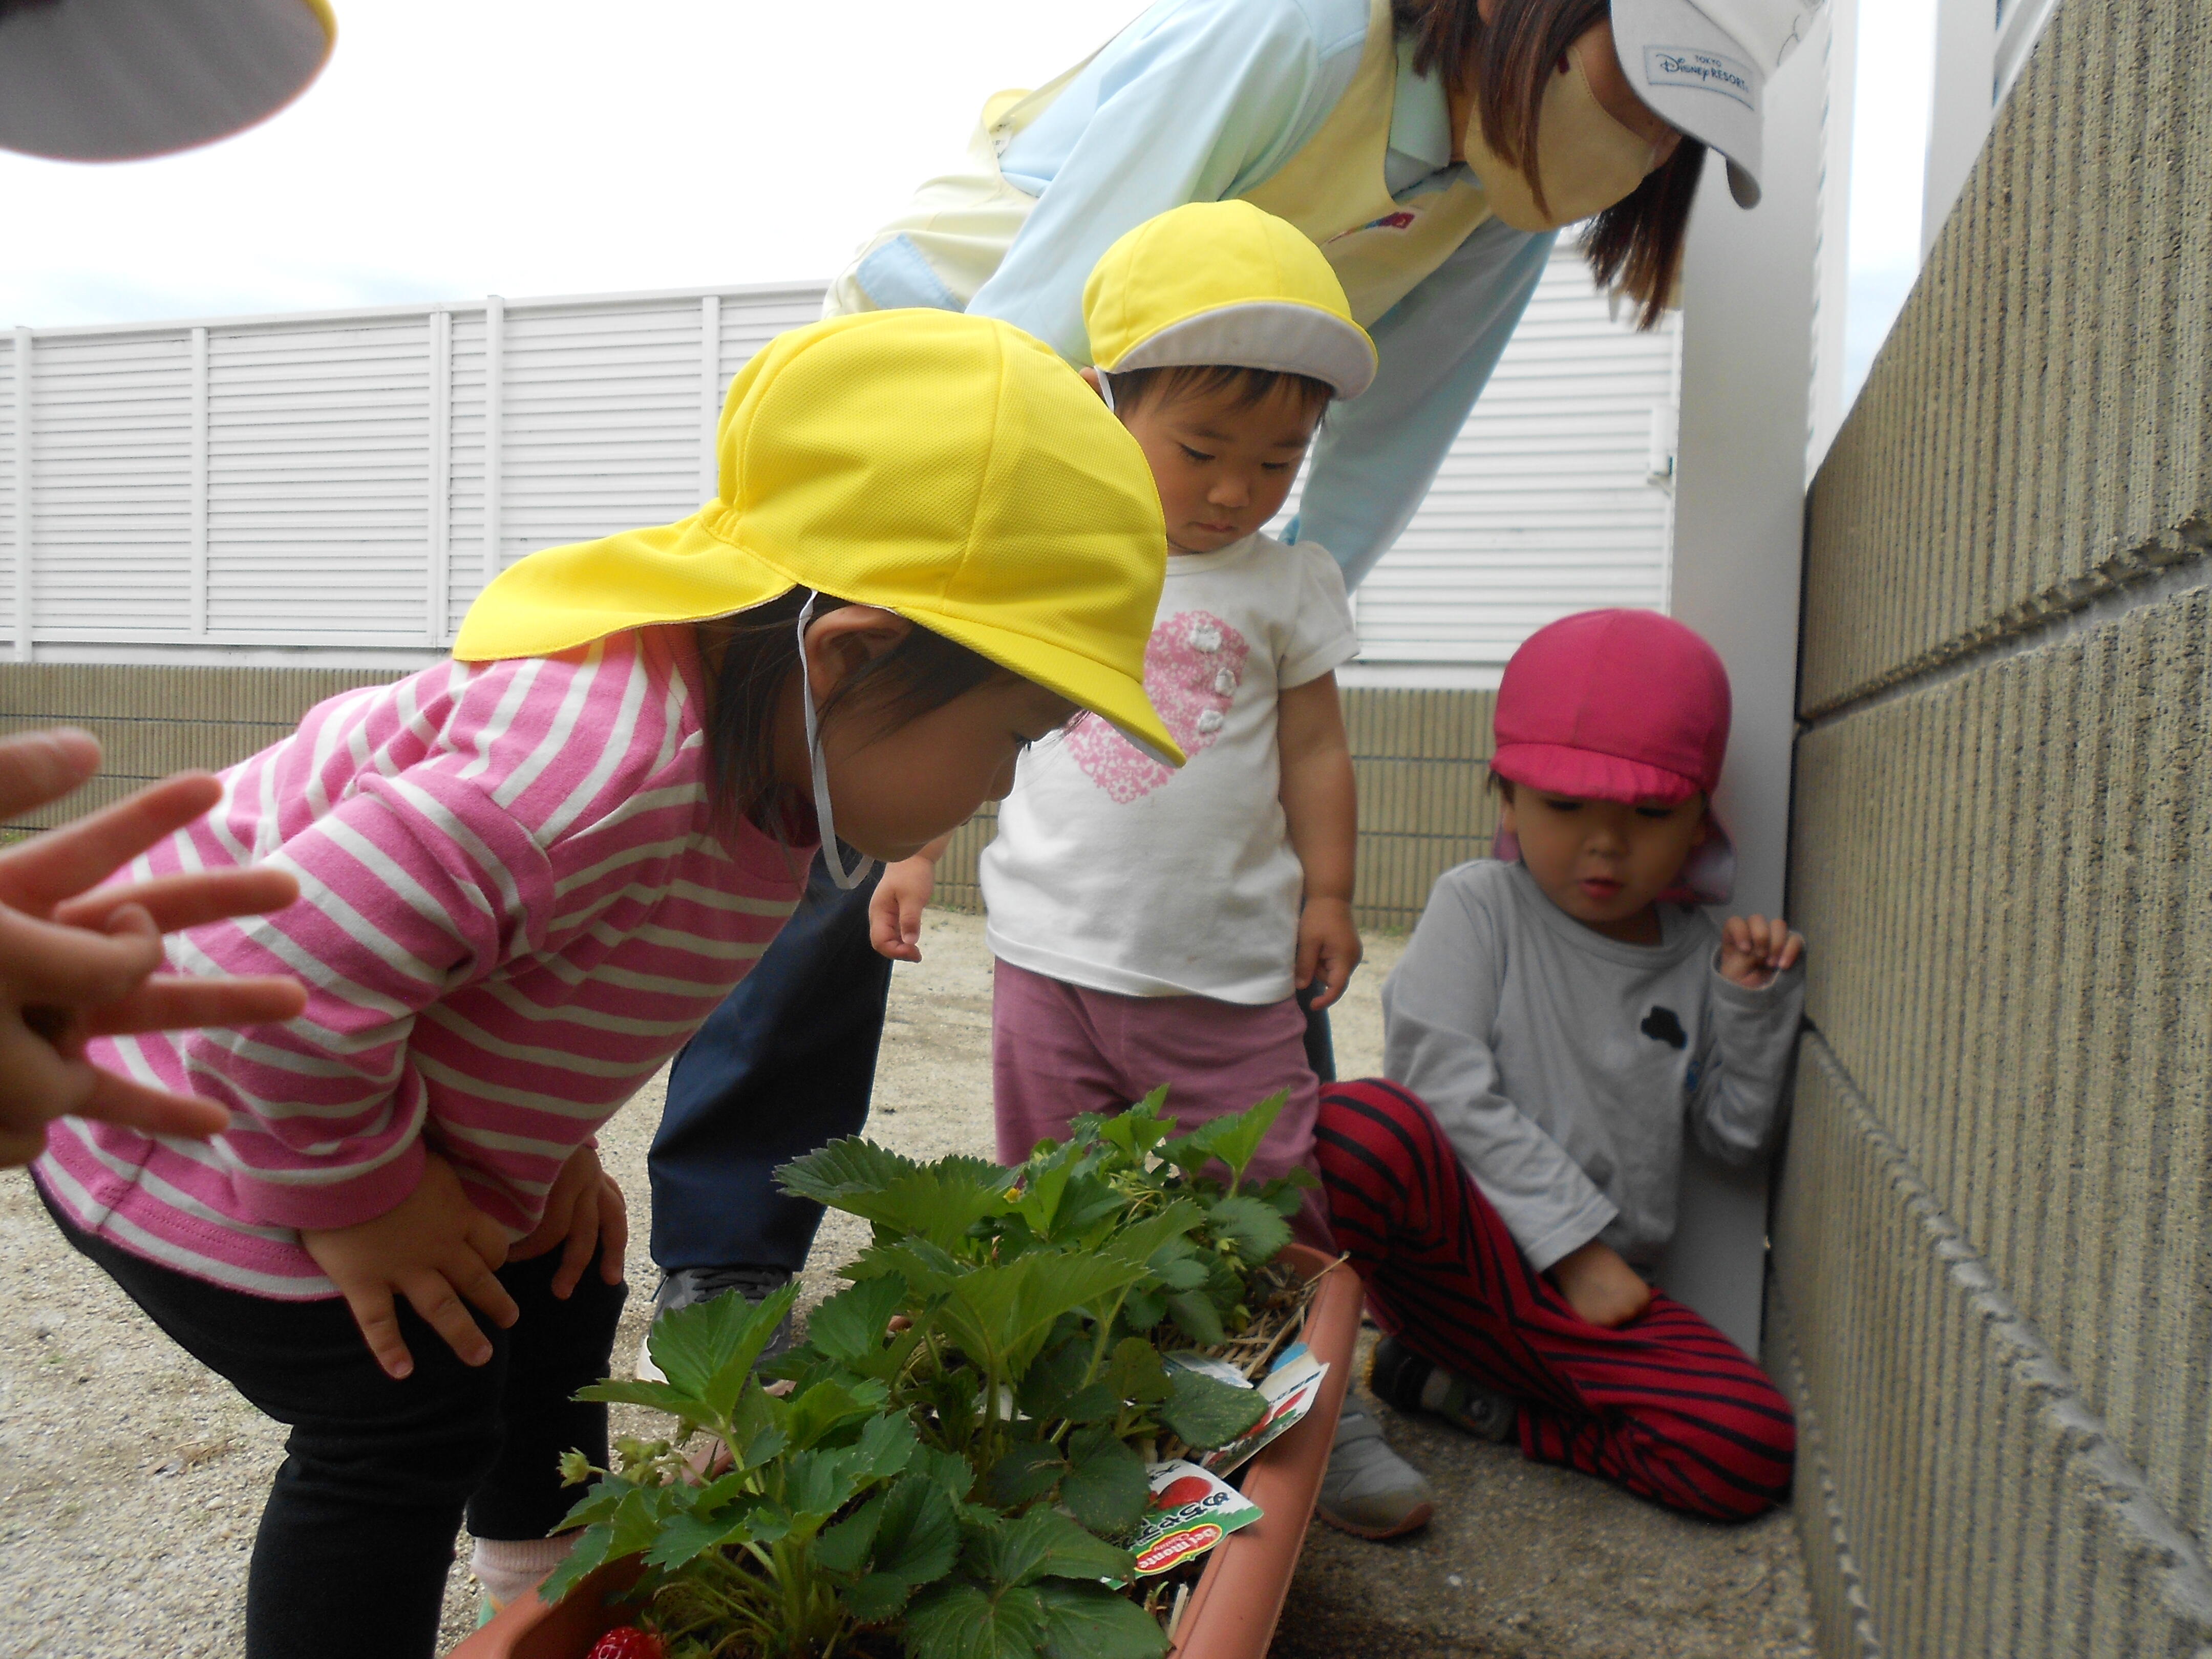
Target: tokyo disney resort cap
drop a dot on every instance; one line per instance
(1702, 65)
(119, 80)
(948, 468)
(1619, 705)
(1224, 283)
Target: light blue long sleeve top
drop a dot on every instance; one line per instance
(1203, 100)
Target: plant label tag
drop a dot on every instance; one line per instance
(1290, 1390)
(1220, 1370)
(1191, 1511)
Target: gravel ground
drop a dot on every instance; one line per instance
(131, 1479)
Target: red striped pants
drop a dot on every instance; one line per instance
(1665, 1406)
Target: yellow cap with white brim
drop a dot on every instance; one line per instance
(1224, 284)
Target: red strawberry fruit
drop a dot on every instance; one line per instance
(628, 1641)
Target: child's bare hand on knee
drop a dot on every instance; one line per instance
(1600, 1286)
(585, 1213)
(1328, 947)
(435, 1249)
(1754, 949)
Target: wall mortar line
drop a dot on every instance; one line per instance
(2130, 583)
(2091, 1444)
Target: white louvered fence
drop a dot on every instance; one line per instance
(341, 484)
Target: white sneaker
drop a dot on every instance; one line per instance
(1370, 1491)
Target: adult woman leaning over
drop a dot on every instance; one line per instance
(1431, 149)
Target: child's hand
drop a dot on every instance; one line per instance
(1600, 1286)
(585, 1209)
(434, 1248)
(1328, 948)
(1754, 949)
(895, 910)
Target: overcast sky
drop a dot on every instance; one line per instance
(471, 147)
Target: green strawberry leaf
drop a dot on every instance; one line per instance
(1199, 1319)
(1028, 1470)
(585, 1556)
(919, 1538)
(687, 1537)
(844, 1547)
(1105, 1487)
(1054, 1388)
(1135, 1371)
(1089, 1621)
(850, 1326)
(655, 1396)
(966, 1621)
(706, 1350)
(949, 1472)
(1205, 1413)
(877, 1597)
(1255, 1227)
(848, 1168)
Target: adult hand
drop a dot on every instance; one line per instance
(1600, 1285)
(1753, 949)
(75, 965)
(1328, 948)
(586, 1212)
(435, 1249)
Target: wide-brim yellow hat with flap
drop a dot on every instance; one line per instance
(948, 468)
(1224, 283)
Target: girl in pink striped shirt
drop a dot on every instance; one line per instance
(527, 876)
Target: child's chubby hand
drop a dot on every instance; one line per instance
(435, 1249)
(585, 1213)
(895, 910)
(1754, 949)
(1600, 1285)
(1328, 948)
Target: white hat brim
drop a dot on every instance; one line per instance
(1278, 336)
(1697, 78)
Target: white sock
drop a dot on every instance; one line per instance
(508, 1567)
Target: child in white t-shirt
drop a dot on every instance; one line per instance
(1154, 926)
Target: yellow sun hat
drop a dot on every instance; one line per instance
(948, 468)
(1224, 283)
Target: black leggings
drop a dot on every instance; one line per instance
(358, 1534)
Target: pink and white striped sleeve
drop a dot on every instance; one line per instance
(417, 883)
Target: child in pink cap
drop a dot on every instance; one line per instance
(1564, 1013)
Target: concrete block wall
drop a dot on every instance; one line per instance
(1992, 1294)
(153, 720)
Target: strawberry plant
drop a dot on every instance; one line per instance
(961, 1454)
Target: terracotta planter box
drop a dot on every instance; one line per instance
(1231, 1615)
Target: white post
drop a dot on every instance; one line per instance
(1837, 41)
(22, 494)
(198, 556)
(438, 600)
(1959, 113)
(495, 379)
(1739, 513)
(710, 394)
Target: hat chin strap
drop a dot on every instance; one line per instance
(846, 879)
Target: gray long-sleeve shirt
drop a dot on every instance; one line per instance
(1563, 1064)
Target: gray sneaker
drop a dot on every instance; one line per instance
(1412, 1383)
(1370, 1491)
(687, 1285)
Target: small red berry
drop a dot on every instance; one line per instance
(628, 1641)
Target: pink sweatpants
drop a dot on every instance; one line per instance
(1059, 1050)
